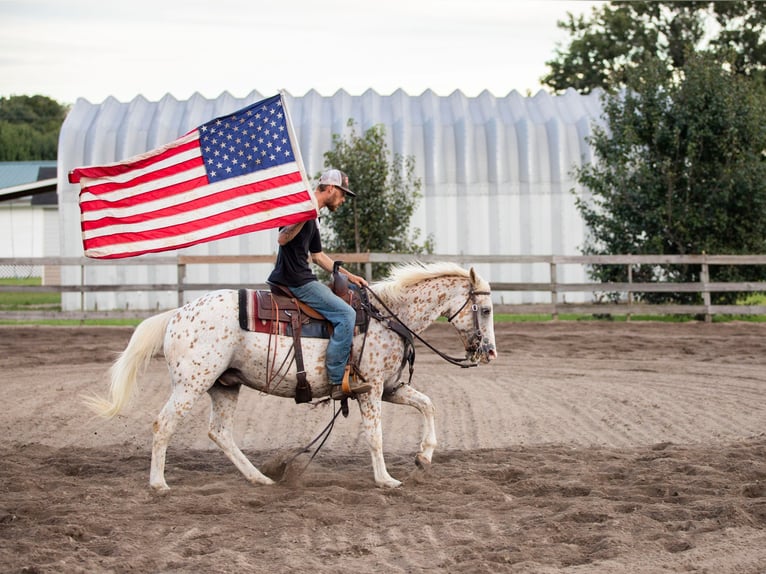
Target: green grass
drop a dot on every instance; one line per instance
(499, 318)
(606, 318)
(74, 322)
(24, 300)
(753, 299)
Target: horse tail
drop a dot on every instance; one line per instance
(145, 342)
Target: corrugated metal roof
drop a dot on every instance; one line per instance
(13, 173)
(496, 171)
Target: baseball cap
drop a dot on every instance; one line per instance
(337, 178)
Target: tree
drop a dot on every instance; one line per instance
(378, 219)
(679, 170)
(619, 36)
(29, 127)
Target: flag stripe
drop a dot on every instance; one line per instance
(139, 164)
(153, 245)
(197, 227)
(203, 207)
(167, 195)
(197, 190)
(235, 174)
(116, 192)
(132, 250)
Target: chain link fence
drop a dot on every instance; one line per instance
(20, 271)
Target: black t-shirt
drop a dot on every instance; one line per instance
(292, 267)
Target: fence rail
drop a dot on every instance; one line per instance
(553, 286)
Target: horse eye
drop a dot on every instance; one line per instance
(486, 311)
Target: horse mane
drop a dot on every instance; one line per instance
(408, 274)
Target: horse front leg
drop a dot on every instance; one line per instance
(373, 431)
(406, 395)
(224, 404)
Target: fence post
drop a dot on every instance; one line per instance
(181, 278)
(630, 293)
(82, 291)
(705, 279)
(554, 291)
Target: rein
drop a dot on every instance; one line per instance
(398, 326)
(453, 360)
(324, 434)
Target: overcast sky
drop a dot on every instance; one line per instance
(67, 49)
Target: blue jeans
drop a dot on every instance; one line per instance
(321, 298)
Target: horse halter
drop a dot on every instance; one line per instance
(476, 338)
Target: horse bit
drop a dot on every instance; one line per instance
(477, 336)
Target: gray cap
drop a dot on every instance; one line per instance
(337, 178)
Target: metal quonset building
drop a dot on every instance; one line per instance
(496, 175)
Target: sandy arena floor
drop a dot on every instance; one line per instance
(587, 447)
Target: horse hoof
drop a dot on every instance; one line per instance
(422, 462)
(392, 483)
(160, 488)
(265, 481)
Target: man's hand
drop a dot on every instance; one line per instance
(326, 263)
(355, 279)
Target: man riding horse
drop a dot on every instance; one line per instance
(301, 243)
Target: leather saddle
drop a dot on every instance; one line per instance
(281, 306)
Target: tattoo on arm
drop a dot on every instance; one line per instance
(289, 232)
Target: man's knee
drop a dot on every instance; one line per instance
(345, 327)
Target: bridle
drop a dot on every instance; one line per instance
(476, 337)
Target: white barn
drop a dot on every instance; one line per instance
(29, 225)
(496, 174)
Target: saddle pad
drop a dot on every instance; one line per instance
(252, 307)
(249, 319)
(254, 315)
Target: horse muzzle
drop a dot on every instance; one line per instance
(485, 352)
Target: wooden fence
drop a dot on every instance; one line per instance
(556, 289)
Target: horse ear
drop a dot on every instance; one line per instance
(472, 276)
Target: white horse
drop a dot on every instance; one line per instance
(207, 351)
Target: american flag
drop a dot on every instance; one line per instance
(233, 175)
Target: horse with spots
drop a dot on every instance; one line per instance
(207, 352)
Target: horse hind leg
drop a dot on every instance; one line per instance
(406, 395)
(182, 399)
(224, 403)
(180, 403)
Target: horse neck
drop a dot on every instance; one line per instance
(425, 302)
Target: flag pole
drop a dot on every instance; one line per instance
(297, 150)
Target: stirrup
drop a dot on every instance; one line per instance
(351, 384)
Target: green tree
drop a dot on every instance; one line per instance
(679, 170)
(29, 127)
(378, 219)
(620, 36)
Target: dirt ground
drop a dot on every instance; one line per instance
(586, 447)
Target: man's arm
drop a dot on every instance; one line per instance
(286, 234)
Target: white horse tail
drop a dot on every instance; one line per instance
(145, 342)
